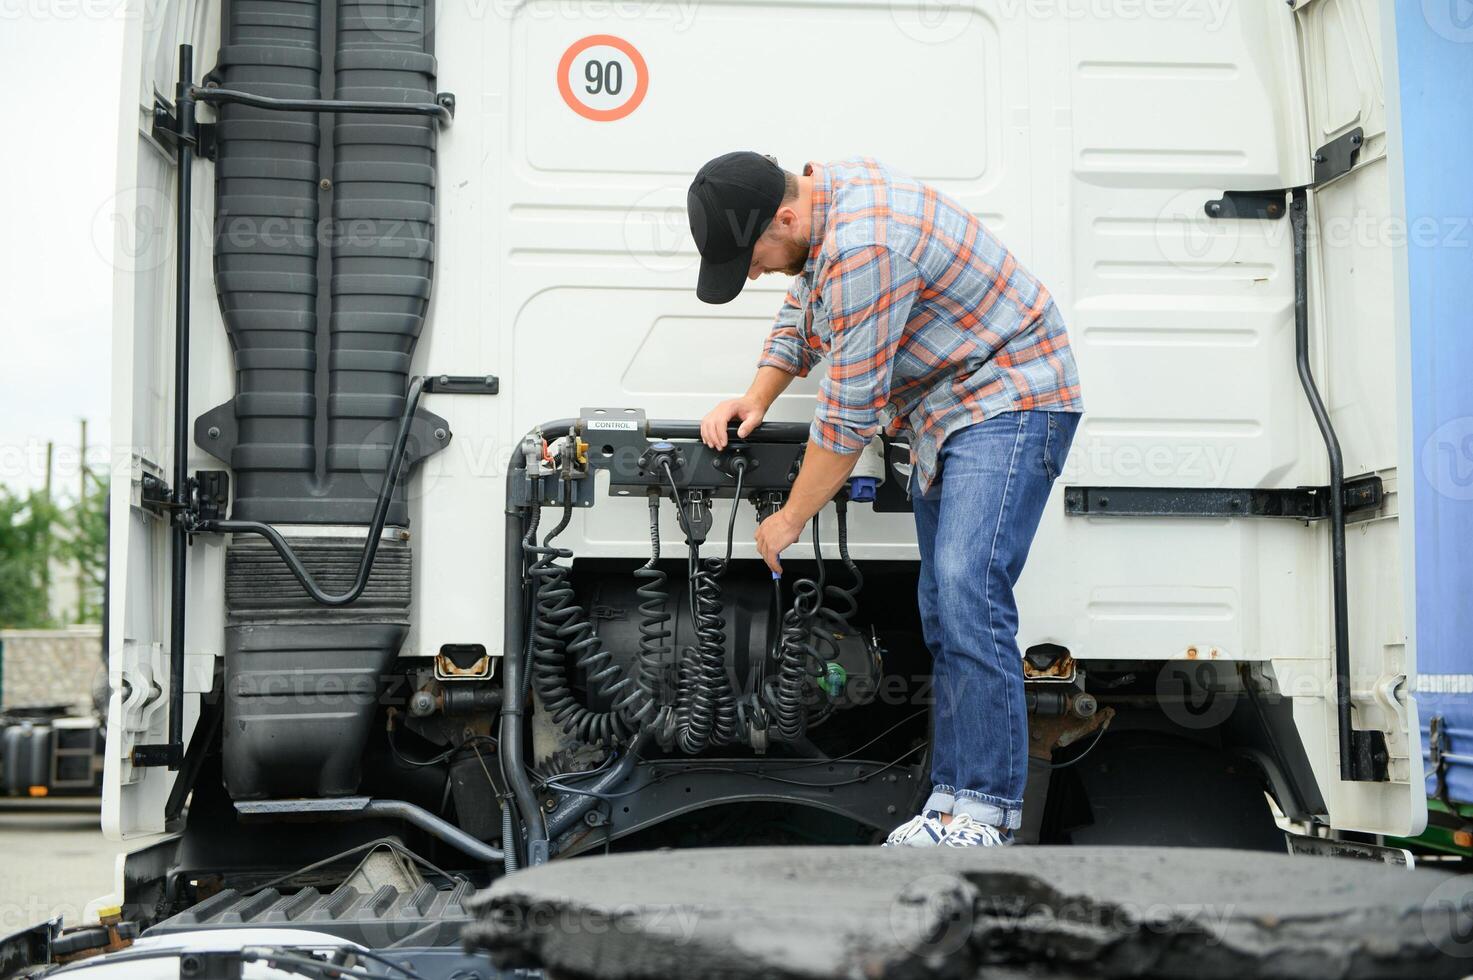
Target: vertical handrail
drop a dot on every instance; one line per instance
(1299, 222)
(185, 133)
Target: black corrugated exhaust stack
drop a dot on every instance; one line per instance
(323, 257)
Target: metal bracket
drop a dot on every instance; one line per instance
(1437, 746)
(1300, 503)
(1396, 857)
(165, 130)
(157, 754)
(211, 494)
(893, 496)
(428, 434)
(462, 384)
(1368, 759)
(1337, 157)
(216, 432)
(28, 947)
(205, 141)
(1248, 205)
(206, 495)
(155, 495)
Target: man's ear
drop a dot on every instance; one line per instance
(785, 217)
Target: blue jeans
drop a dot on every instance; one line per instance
(975, 526)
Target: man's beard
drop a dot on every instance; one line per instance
(797, 256)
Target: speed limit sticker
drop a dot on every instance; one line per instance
(602, 77)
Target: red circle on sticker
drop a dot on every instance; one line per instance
(636, 61)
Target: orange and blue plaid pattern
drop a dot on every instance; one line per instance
(928, 321)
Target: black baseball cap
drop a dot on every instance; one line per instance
(730, 204)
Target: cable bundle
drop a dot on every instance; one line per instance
(560, 627)
(796, 650)
(706, 709)
(820, 613)
(653, 629)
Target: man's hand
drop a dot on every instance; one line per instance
(747, 411)
(775, 535)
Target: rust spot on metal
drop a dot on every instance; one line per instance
(445, 667)
(1191, 653)
(1041, 668)
(1051, 732)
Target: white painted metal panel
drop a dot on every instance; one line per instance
(1086, 136)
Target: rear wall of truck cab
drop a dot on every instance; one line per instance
(1088, 137)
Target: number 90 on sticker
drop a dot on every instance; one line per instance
(602, 77)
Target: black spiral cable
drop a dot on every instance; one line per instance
(705, 719)
(653, 628)
(797, 649)
(560, 627)
(706, 705)
(840, 602)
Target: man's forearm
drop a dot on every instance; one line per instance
(769, 383)
(822, 474)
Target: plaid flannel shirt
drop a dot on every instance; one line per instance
(929, 322)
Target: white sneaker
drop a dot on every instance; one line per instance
(963, 831)
(923, 830)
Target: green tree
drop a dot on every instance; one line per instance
(86, 545)
(26, 539)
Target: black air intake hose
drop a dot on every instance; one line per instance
(322, 318)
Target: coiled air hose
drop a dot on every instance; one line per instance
(833, 617)
(797, 649)
(561, 627)
(706, 709)
(653, 631)
(842, 602)
(820, 612)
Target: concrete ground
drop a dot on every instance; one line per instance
(53, 860)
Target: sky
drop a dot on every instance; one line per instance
(60, 70)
